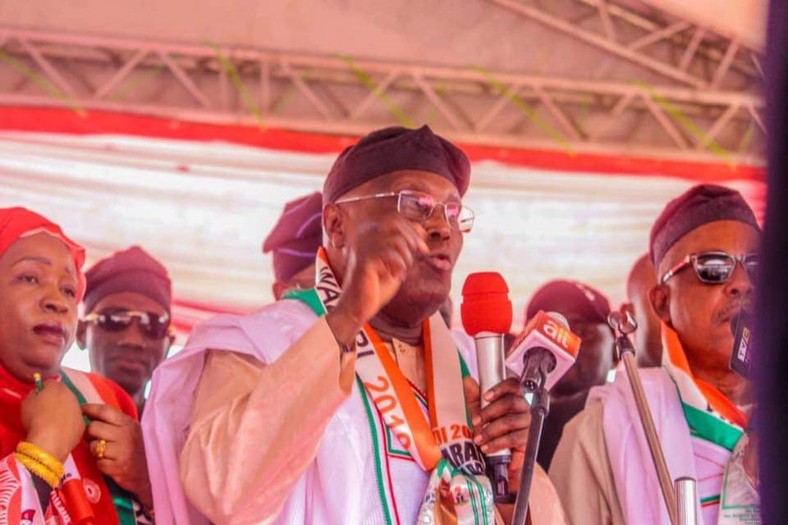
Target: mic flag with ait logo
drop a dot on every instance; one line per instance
(743, 347)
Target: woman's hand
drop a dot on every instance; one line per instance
(53, 420)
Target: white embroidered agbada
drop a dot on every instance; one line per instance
(323, 469)
(603, 469)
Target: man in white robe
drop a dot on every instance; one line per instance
(350, 403)
(704, 247)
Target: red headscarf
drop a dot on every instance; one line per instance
(17, 222)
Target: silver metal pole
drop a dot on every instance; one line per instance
(686, 501)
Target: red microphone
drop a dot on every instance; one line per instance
(485, 304)
(487, 316)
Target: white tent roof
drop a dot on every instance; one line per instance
(204, 209)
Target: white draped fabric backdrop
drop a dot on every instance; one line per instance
(203, 209)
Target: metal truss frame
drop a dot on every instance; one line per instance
(678, 50)
(345, 95)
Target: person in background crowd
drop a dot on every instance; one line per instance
(126, 327)
(294, 241)
(351, 402)
(586, 309)
(647, 340)
(704, 245)
(54, 469)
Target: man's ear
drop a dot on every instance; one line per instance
(659, 297)
(82, 332)
(334, 225)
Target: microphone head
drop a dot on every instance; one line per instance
(742, 316)
(741, 326)
(485, 304)
(546, 331)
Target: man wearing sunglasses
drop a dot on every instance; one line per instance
(126, 332)
(703, 246)
(126, 323)
(351, 402)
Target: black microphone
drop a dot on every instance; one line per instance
(743, 347)
(547, 350)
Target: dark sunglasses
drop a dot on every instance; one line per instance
(715, 267)
(153, 326)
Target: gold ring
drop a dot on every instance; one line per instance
(100, 445)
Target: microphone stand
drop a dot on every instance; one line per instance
(686, 496)
(624, 349)
(538, 363)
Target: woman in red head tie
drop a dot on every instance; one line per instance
(66, 452)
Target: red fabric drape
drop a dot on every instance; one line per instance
(56, 120)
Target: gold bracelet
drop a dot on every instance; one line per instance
(36, 453)
(39, 470)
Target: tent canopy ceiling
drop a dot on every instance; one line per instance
(742, 20)
(481, 32)
(652, 78)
